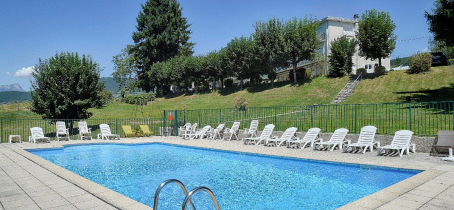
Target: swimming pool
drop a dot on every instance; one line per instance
(238, 180)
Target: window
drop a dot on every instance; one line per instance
(348, 30)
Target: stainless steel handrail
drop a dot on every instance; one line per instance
(156, 194)
(188, 197)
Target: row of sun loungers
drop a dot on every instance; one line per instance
(37, 134)
(366, 141)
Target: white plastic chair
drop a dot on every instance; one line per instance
(310, 138)
(401, 141)
(366, 140)
(37, 134)
(337, 139)
(84, 131)
(266, 133)
(232, 131)
(106, 133)
(61, 131)
(286, 136)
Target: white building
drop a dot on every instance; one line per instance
(331, 28)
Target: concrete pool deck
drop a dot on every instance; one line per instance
(30, 182)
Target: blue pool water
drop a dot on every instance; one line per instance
(238, 180)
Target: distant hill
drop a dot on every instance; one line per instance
(14, 96)
(110, 83)
(403, 60)
(13, 87)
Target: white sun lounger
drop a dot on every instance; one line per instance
(37, 134)
(266, 134)
(231, 132)
(252, 131)
(190, 131)
(61, 131)
(401, 143)
(84, 131)
(337, 139)
(310, 138)
(106, 133)
(286, 136)
(215, 133)
(366, 140)
(200, 134)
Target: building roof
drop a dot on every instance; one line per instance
(338, 19)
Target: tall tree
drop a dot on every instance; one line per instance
(301, 41)
(441, 22)
(125, 69)
(270, 46)
(66, 86)
(341, 57)
(375, 35)
(162, 33)
(241, 57)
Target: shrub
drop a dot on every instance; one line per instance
(228, 82)
(379, 70)
(240, 103)
(340, 59)
(420, 62)
(451, 61)
(361, 71)
(139, 99)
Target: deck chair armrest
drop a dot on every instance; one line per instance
(348, 142)
(318, 140)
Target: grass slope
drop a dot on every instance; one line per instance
(440, 80)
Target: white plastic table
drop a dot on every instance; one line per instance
(10, 137)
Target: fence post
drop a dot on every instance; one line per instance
(220, 116)
(312, 116)
(116, 125)
(164, 123)
(1, 131)
(410, 115)
(176, 122)
(275, 116)
(356, 119)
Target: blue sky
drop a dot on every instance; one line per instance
(30, 30)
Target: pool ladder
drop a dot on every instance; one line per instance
(188, 195)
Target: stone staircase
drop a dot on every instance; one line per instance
(348, 89)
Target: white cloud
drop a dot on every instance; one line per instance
(7, 73)
(25, 72)
(425, 50)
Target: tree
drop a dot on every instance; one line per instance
(125, 68)
(241, 57)
(441, 21)
(301, 41)
(375, 35)
(162, 33)
(341, 57)
(270, 46)
(66, 86)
